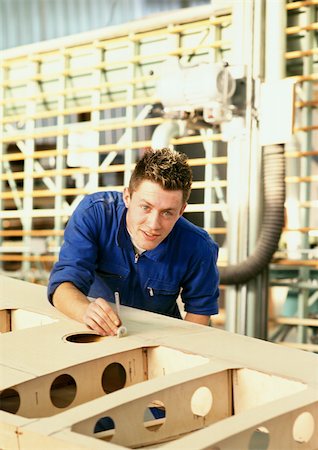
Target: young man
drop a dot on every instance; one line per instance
(137, 244)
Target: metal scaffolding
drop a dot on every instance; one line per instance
(77, 112)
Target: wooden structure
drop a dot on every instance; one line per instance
(169, 384)
(76, 112)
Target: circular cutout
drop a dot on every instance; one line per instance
(10, 400)
(259, 439)
(304, 427)
(155, 415)
(201, 401)
(83, 338)
(63, 391)
(113, 378)
(104, 428)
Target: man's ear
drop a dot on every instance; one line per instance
(126, 196)
(183, 208)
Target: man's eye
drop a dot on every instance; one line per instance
(144, 207)
(167, 213)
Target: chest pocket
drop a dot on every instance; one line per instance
(161, 295)
(112, 274)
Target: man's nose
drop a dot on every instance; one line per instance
(153, 221)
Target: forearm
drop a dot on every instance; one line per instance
(70, 301)
(197, 318)
(96, 315)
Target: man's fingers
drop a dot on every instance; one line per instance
(101, 318)
(92, 325)
(109, 311)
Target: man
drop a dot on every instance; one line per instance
(137, 244)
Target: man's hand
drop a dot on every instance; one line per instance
(100, 317)
(97, 315)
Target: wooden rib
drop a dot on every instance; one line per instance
(306, 104)
(298, 28)
(36, 233)
(57, 131)
(30, 258)
(301, 78)
(46, 193)
(301, 53)
(296, 263)
(310, 128)
(79, 89)
(205, 161)
(300, 4)
(86, 170)
(301, 154)
(138, 59)
(306, 179)
(308, 204)
(300, 229)
(80, 109)
(297, 321)
(107, 148)
(219, 230)
(207, 184)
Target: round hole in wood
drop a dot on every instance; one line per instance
(83, 338)
(114, 377)
(259, 439)
(104, 428)
(304, 427)
(154, 415)
(63, 391)
(10, 400)
(201, 401)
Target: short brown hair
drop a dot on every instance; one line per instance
(166, 167)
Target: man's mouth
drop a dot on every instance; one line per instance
(150, 236)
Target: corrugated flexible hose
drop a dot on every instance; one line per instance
(272, 224)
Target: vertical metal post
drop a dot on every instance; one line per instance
(130, 155)
(28, 185)
(305, 167)
(60, 145)
(2, 78)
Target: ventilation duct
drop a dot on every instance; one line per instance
(273, 220)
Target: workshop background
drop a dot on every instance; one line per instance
(87, 85)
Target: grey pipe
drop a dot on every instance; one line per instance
(273, 220)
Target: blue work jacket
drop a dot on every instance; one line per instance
(98, 257)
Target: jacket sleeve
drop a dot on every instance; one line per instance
(200, 291)
(78, 254)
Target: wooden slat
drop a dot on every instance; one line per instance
(35, 233)
(309, 128)
(79, 89)
(137, 59)
(31, 258)
(299, 28)
(306, 179)
(114, 168)
(57, 131)
(300, 4)
(301, 53)
(47, 193)
(301, 154)
(296, 263)
(80, 110)
(300, 229)
(297, 321)
(308, 104)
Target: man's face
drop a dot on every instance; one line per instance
(152, 213)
